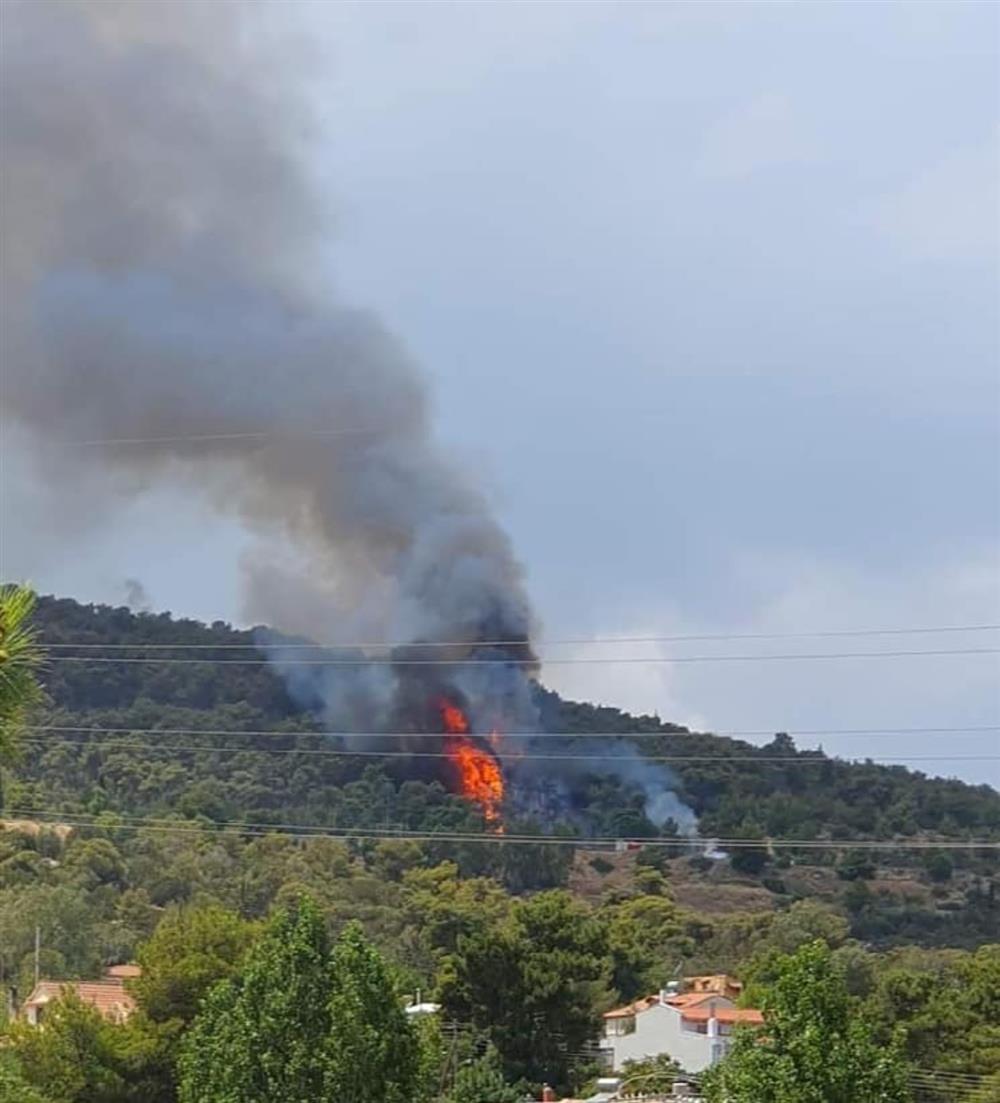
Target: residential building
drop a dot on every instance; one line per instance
(691, 1023)
(108, 995)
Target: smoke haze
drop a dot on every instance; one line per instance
(160, 280)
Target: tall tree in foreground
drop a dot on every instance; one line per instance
(259, 1036)
(299, 1023)
(814, 1047)
(76, 1057)
(20, 657)
(532, 984)
(371, 1052)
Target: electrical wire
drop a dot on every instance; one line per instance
(368, 833)
(196, 438)
(575, 660)
(728, 733)
(514, 756)
(946, 1079)
(543, 642)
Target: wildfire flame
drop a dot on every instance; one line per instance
(478, 772)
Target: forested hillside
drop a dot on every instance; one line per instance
(176, 798)
(743, 790)
(223, 742)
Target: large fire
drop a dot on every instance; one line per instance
(478, 772)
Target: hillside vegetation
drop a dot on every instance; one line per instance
(909, 930)
(745, 791)
(259, 767)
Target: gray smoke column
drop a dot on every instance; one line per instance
(161, 279)
(163, 283)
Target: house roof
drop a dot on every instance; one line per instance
(723, 1015)
(643, 1004)
(108, 996)
(126, 972)
(681, 1000)
(692, 999)
(719, 980)
(714, 990)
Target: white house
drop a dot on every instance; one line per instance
(694, 1026)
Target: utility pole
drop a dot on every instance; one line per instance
(38, 953)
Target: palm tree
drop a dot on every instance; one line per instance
(20, 658)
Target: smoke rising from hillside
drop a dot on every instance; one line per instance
(160, 280)
(163, 290)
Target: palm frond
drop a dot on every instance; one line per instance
(20, 659)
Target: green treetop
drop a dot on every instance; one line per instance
(814, 1047)
(299, 1024)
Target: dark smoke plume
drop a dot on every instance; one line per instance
(162, 282)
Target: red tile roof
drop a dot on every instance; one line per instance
(108, 996)
(723, 1014)
(687, 1003)
(681, 1000)
(643, 1004)
(690, 999)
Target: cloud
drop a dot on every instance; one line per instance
(762, 133)
(638, 687)
(797, 594)
(948, 211)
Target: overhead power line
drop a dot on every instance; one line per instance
(515, 756)
(542, 642)
(575, 660)
(197, 438)
(720, 732)
(363, 832)
(969, 1079)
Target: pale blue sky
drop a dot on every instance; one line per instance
(708, 294)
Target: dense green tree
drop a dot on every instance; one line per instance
(77, 1057)
(482, 1081)
(647, 941)
(533, 984)
(939, 865)
(192, 949)
(946, 1007)
(298, 1022)
(259, 1037)
(371, 1053)
(445, 906)
(814, 1047)
(747, 858)
(13, 1086)
(856, 865)
(650, 1076)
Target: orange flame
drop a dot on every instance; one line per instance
(453, 718)
(479, 776)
